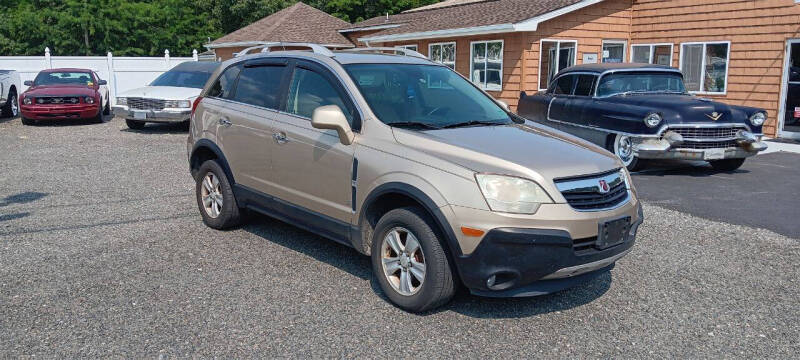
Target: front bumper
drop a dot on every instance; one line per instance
(45, 112)
(673, 146)
(547, 256)
(165, 115)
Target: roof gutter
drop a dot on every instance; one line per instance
(368, 28)
(255, 43)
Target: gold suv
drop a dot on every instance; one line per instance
(410, 163)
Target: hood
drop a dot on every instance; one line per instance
(678, 109)
(60, 90)
(162, 92)
(519, 149)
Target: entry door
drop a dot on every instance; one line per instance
(313, 169)
(791, 105)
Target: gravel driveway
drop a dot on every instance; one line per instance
(103, 253)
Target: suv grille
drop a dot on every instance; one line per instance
(707, 137)
(145, 104)
(587, 193)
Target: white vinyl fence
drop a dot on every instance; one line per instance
(122, 73)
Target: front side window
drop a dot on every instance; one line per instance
(640, 83)
(613, 51)
(486, 65)
(660, 54)
(556, 55)
(444, 53)
(223, 87)
(310, 90)
(705, 66)
(424, 96)
(177, 78)
(63, 78)
(259, 86)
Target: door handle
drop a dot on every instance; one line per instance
(280, 138)
(224, 122)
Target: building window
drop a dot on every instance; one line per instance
(705, 66)
(614, 51)
(412, 47)
(444, 53)
(555, 55)
(660, 54)
(486, 66)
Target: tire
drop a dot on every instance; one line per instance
(217, 189)
(437, 286)
(11, 107)
(135, 125)
(26, 121)
(107, 108)
(99, 118)
(622, 147)
(726, 165)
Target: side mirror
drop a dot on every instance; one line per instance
(102, 82)
(332, 117)
(503, 105)
(28, 83)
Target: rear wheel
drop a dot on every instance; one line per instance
(11, 107)
(215, 197)
(409, 262)
(727, 164)
(622, 146)
(135, 125)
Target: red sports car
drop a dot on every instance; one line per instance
(64, 94)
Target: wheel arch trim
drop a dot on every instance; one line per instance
(208, 144)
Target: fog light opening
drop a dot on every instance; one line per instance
(501, 280)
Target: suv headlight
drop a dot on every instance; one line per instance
(652, 120)
(512, 194)
(758, 118)
(122, 101)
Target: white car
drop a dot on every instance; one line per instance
(168, 99)
(9, 93)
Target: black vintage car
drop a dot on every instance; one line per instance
(643, 111)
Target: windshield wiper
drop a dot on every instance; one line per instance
(413, 124)
(474, 123)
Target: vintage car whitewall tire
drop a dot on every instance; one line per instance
(622, 146)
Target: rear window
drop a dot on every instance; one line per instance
(259, 86)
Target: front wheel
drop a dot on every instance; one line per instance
(726, 165)
(622, 146)
(134, 125)
(409, 262)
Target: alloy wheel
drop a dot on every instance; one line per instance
(211, 194)
(403, 261)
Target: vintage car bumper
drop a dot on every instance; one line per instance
(672, 145)
(45, 112)
(165, 115)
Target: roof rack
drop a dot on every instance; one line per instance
(265, 48)
(404, 51)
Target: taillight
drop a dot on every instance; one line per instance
(194, 105)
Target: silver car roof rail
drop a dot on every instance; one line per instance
(265, 48)
(404, 51)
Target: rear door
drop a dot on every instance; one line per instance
(246, 121)
(313, 169)
(561, 90)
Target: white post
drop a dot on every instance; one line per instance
(112, 79)
(47, 59)
(166, 58)
(194, 54)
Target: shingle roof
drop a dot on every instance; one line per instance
(297, 23)
(458, 14)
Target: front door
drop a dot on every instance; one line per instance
(791, 97)
(312, 168)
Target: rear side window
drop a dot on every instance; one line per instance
(563, 85)
(223, 87)
(310, 90)
(260, 86)
(585, 85)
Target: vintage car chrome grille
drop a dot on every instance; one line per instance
(699, 138)
(145, 103)
(58, 100)
(587, 193)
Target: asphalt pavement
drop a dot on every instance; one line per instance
(103, 253)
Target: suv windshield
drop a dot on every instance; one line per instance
(63, 78)
(640, 82)
(190, 79)
(427, 96)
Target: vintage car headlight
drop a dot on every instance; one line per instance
(652, 120)
(122, 101)
(178, 104)
(88, 100)
(27, 101)
(511, 194)
(758, 118)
